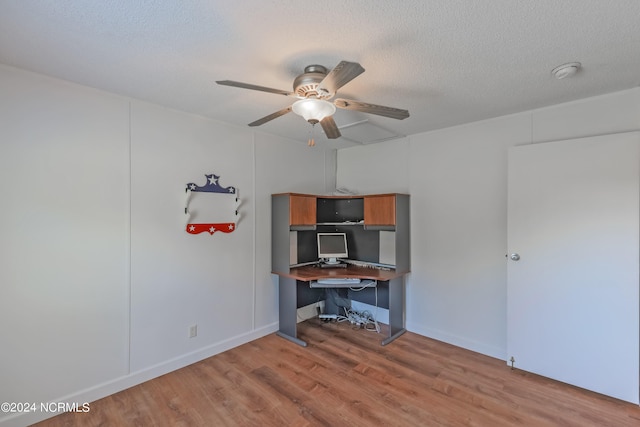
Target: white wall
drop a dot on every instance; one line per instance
(360, 168)
(457, 178)
(64, 227)
(99, 282)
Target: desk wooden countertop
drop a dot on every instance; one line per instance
(312, 272)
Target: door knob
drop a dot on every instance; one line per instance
(515, 257)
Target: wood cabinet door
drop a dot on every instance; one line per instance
(302, 210)
(380, 210)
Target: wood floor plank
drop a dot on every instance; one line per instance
(244, 400)
(345, 377)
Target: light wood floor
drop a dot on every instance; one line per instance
(345, 378)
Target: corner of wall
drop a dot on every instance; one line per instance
(330, 170)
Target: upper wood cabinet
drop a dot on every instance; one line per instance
(380, 210)
(297, 218)
(377, 210)
(302, 209)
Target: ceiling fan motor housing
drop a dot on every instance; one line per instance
(306, 84)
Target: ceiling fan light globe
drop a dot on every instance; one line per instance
(313, 109)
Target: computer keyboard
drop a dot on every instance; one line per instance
(339, 281)
(342, 282)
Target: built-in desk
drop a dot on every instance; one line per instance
(377, 229)
(290, 281)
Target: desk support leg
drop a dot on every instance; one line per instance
(396, 310)
(288, 311)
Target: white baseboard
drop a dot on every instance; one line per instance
(110, 387)
(498, 353)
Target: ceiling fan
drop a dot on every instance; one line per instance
(314, 88)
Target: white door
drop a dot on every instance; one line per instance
(572, 298)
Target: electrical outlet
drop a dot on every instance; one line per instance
(193, 331)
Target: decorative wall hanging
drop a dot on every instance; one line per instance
(218, 205)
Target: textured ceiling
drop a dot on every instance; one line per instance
(447, 61)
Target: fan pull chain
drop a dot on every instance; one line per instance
(312, 141)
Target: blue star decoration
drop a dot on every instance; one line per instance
(212, 186)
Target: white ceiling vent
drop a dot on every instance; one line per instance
(365, 132)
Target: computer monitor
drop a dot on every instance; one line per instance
(332, 246)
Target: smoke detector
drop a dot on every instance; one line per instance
(566, 70)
